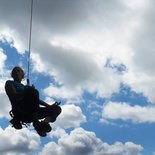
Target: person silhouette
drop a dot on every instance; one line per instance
(27, 106)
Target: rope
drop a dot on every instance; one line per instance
(29, 52)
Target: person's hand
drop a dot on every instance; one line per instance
(57, 103)
(53, 105)
(33, 86)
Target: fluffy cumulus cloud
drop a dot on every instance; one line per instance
(141, 73)
(77, 56)
(23, 142)
(14, 28)
(3, 57)
(84, 142)
(5, 104)
(76, 59)
(126, 112)
(71, 116)
(79, 70)
(85, 47)
(76, 51)
(79, 141)
(74, 43)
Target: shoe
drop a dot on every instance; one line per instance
(39, 128)
(46, 127)
(16, 124)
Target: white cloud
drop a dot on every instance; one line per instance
(5, 106)
(13, 38)
(141, 72)
(76, 58)
(80, 46)
(78, 70)
(71, 116)
(58, 133)
(70, 95)
(73, 44)
(137, 4)
(83, 142)
(141, 82)
(126, 112)
(3, 57)
(5, 103)
(23, 142)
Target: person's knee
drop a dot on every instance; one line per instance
(58, 109)
(55, 110)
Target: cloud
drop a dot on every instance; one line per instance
(126, 112)
(72, 41)
(5, 106)
(24, 142)
(5, 103)
(15, 24)
(58, 133)
(3, 57)
(85, 37)
(71, 116)
(12, 37)
(72, 44)
(141, 72)
(76, 69)
(83, 142)
(77, 57)
(67, 94)
(141, 82)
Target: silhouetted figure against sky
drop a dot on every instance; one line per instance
(26, 104)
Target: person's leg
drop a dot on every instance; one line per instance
(15, 121)
(31, 100)
(49, 114)
(31, 106)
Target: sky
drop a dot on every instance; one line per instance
(96, 57)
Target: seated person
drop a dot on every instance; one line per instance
(26, 104)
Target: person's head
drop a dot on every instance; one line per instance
(17, 73)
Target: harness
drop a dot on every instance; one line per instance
(26, 124)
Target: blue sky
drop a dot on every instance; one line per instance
(97, 58)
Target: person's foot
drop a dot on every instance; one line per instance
(16, 124)
(39, 128)
(46, 126)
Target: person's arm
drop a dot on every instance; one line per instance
(47, 105)
(11, 91)
(43, 103)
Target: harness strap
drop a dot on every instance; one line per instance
(11, 113)
(22, 122)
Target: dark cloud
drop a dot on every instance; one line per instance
(59, 16)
